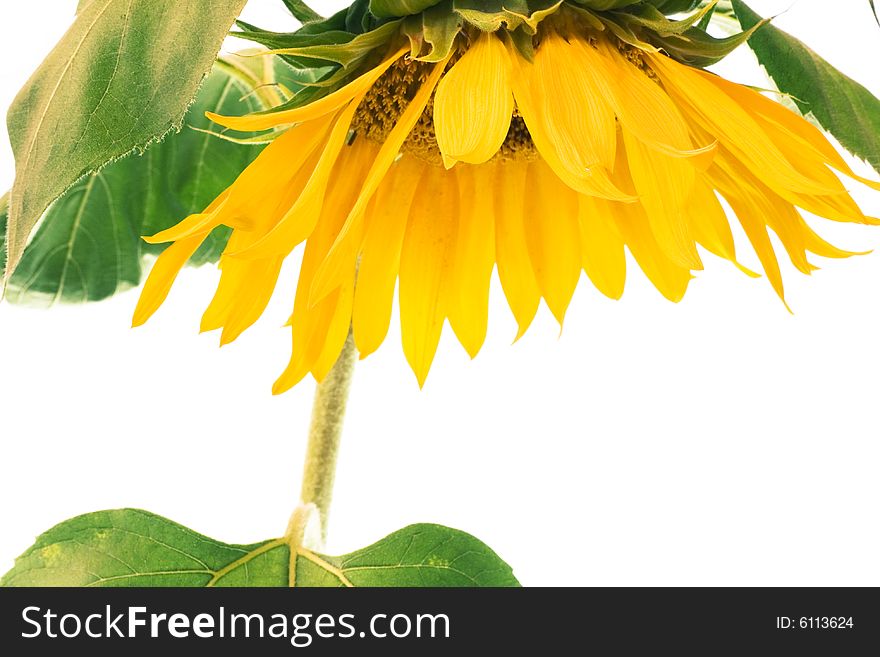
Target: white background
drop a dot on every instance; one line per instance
(720, 441)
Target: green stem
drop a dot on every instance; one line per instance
(325, 431)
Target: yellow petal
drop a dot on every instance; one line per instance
(194, 224)
(315, 327)
(309, 332)
(335, 332)
(162, 276)
(782, 217)
(734, 127)
(750, 211)
(246, 286)
(583, 172)
(820, 247)
(785, 222)
(808, 160)
(380, 258)
(804, 156)
(343, 253)
(514, 264)
(780, 118)
(709, 224)
(664, 185)
(326, 105)
(264, 179)
(552, 236)
(569, 106)
(474, 103)
(474, 259)
(255, 192)
(602, 248)
(670, 278)
(656, 139)
(425, 261)
(298, 222)
(231, 281)
(642, 106)
(166, 268)
(260, 280)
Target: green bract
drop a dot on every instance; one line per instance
(398, 8)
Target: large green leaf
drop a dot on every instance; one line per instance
(122, 76)
(88, 245)
(841, 105)
(135, 548)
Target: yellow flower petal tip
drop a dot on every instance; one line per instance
(286, 382)
(421, 378)
(745, 270)
(226, 339)
(540, 157)
(521, 330)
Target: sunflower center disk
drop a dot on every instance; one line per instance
(389, 97)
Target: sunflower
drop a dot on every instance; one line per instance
(543, 143)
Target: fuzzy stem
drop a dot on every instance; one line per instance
(325, 431)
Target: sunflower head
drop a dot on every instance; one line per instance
(433, 142)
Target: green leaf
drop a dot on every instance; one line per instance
(136, 548)
(88, 245)
(841, 105)
(122, 76)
